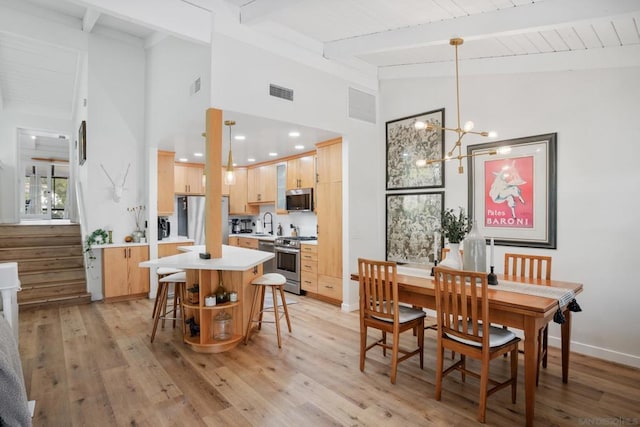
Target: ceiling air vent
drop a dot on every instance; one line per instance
(362, 105)
(281, 92)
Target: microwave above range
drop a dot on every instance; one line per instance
(299, 200)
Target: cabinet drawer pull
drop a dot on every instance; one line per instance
(329, 287)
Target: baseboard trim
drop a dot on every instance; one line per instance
(599, 352)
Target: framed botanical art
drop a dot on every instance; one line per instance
(409, 149)
(412, 220)
(512, 195)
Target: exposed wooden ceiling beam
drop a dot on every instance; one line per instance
(513, 20)
(89, 20)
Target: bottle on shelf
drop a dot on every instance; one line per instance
(221, 294)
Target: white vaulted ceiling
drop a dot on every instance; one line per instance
(379, 39)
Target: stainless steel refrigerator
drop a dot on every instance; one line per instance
(191, 218)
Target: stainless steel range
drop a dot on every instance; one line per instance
(287, 250)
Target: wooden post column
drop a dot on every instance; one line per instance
(213, 187)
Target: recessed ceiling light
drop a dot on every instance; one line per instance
(272, 154)
(183, 159)
(294, 134)
(251, 159)
(299, 147)
(239, 137)
(198, 154)
(33, 137)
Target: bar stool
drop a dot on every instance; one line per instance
(179, 280)
(163, 272)
(273, 281)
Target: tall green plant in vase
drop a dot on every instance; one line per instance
(454, 227)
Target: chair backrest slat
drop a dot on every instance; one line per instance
(378, 288)
(529, 266)
(461, 302)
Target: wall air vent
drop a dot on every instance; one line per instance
(281, 92)
(362, 105)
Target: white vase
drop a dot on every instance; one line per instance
(452, 259)
(475, 251)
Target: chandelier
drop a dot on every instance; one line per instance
(456, 150)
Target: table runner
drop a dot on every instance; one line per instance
(565, 297)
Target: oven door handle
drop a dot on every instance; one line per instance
(288, 251)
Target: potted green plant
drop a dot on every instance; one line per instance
(98, 237)
(454, 227)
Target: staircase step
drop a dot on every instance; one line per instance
(14, 254)
(84, 298)
(51, 290)
(47, 264)
(29, 241)
(52, 276)
(50, 263)
(41, 230)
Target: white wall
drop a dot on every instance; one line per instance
(241, 75)
(595, 115)
(115, 139)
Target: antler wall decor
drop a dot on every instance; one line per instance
(117, 189)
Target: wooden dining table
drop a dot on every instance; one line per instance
(528, 313)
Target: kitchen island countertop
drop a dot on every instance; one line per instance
(233, 258)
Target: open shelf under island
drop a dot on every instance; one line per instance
(237, 268)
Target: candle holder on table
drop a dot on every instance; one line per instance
(492, 279)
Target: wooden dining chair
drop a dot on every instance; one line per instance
(379, 309)
(532, 267)
(462, 310)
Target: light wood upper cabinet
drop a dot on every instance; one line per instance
(330, 163)
(238, 204)
(261, 184)
(188, 178)
(121, 275)
(301, 172)
(165, 183)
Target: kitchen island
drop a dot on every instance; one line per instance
(235, 270)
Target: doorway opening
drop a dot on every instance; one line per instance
(44, 179)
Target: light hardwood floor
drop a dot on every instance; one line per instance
(93, 365)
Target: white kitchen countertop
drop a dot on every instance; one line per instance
(178, 239)
(269, 237)
(233, 258)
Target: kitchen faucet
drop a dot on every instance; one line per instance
(264, 221)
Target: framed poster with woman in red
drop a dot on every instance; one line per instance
(512, 190)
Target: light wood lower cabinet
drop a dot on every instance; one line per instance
(122, 278)
(330, 287)
(167, 249)
(234, 241)
(247, 242)
(205, 340)
(309, 268)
